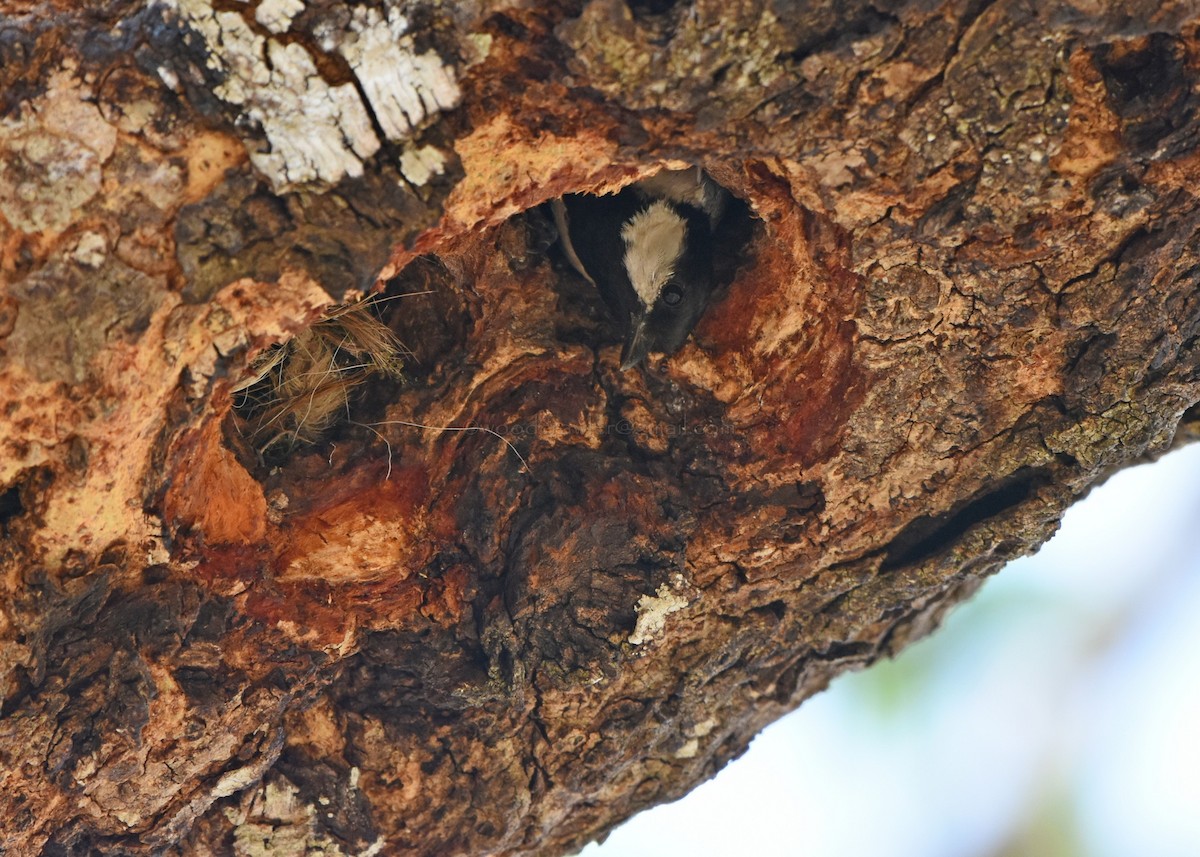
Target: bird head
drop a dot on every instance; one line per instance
(668, 262)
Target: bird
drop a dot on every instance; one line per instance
(648, 250)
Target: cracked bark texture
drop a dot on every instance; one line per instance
(968, 292)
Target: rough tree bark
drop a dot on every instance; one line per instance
(967, 292)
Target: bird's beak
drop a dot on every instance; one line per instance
(634, 351)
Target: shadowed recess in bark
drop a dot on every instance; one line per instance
(927, 536)
(1151, 86)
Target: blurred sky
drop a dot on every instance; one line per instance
(1057, 714)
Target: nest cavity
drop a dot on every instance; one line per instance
(297, 390)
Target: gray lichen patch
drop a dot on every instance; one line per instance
(277, 15)
(404, 86)
(318, 131)
(315, 131)
(44, 179)
(280, 822)
(653, 610)
(420, 164)
(51, 160)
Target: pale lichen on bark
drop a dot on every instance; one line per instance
(277, 15)
(317, 131)
(52, 159)
(314, 131)
(403, 86)
(653, 610)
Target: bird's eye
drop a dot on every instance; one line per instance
(672, 295)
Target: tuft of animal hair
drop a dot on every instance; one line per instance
(296, 390)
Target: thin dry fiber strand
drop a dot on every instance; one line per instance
(296, 389)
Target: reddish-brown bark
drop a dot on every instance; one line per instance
(963, 291)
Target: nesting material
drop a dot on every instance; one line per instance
(296, 390)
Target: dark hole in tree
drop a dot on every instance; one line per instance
(583, 317)
(930, 534)
(1148, 86)
(651, 7)
(10, 505)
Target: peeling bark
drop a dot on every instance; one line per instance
(519, 595)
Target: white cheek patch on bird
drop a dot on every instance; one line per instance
(654, 241)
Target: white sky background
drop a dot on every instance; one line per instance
(1057, 714)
